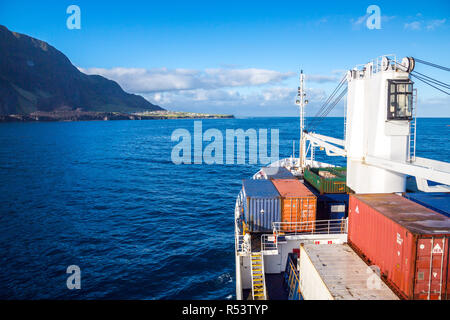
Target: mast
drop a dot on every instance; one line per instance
(301, 102)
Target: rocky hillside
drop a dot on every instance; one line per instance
(34, 76)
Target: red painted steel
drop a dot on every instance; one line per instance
(408, 242)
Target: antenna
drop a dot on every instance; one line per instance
(301, 102)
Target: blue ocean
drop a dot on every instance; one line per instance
(106, 196)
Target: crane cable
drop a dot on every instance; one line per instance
(427, 79)
(431, 64)
(428, 83)
(323, 109)
(330, 97)
(437, 82)
(329, 108)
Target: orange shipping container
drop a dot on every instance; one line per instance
(298, 205)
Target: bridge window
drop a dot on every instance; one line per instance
(400, 100)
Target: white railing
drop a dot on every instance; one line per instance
(336, 226)
(328, 143)
(378, 62)
(269, 243)
(376, 65)
(240, 244)
(345, 122)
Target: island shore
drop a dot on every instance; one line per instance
(77, 115)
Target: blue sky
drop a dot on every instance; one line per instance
(238, 57)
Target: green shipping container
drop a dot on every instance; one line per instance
(342, 171)
(323, 184)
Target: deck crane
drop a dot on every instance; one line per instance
(380, 129)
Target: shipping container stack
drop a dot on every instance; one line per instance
(327, 180)
(262, 205)
(278, 200)
(408, 242)
(330, 206)
(298, 205)
(277, 196)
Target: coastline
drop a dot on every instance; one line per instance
(76, 115)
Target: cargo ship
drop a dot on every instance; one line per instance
(309, 230)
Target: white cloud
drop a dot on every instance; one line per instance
(416, 25)
(428, 25)
(359, 22)
(275, 101)
(231, 96)
(278, 94)
(321, 78)
(339, 72)
(387, 18)
(244, 91)
(162, 79)
(433, 24)
(356, 23)
(321, 21)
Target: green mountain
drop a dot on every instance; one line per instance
(34, 76)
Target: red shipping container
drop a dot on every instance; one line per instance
(408, 242)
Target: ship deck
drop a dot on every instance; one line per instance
(275, 288)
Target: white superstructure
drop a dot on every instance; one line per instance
(378, 125)
(380, 137)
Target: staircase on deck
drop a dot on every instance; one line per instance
(258, 278)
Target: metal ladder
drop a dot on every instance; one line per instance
(258, 279)
(345, 121)
(412, 129)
